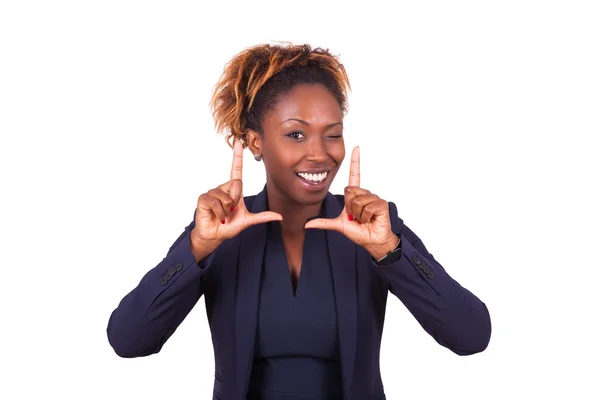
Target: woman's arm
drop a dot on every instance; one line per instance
(147, 316)
(451, 314)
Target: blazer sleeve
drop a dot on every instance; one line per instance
(148, 315)
(451, 314)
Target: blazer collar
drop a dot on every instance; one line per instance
(342, 255)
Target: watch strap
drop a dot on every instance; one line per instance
(394, 255)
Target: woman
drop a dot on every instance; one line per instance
(295, 279)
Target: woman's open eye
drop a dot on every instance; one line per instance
(295, 135)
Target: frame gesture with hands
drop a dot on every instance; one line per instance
(365, 218)
(221, 212)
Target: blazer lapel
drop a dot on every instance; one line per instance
(342, 254)
(252, 246)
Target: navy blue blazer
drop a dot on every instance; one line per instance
(229, 280)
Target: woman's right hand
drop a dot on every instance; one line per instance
(221, 212)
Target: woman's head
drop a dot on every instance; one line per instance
(287, 104)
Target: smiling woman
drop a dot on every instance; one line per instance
(296, 279)
(287, 104)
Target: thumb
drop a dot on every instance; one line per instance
(263, 217)
(324, 223)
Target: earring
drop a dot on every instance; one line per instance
(257, 157)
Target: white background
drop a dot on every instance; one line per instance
(478, 119)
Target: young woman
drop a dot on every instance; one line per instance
(295, 278)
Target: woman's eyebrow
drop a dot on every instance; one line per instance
(306, 123)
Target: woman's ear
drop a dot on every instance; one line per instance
(254, 141)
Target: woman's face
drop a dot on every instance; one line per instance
(302, 144)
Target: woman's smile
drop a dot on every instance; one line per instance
(315, 181)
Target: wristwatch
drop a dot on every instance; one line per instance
(394, 255)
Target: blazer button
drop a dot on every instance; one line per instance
(416, 260)
(172, 271)
(164, 281)
(430, 275)
(178, 267)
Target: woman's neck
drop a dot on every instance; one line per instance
(294, 214)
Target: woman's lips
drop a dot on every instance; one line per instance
(313, 182)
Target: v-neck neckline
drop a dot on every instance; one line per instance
(277, 233)
(278, 240)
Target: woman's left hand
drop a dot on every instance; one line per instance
(365, 218)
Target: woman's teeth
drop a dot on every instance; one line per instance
(316, 178)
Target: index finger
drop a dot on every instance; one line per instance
(355, 168)
(238, 155)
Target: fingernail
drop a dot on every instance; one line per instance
(222, 221)
(232, 208)
(360, 222)
(350, 217)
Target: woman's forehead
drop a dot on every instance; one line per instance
(306, 104)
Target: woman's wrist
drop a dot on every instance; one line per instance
(380, 251)
(201, 248)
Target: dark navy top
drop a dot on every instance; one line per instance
(297, 352)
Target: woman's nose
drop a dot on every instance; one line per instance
(317, 151)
